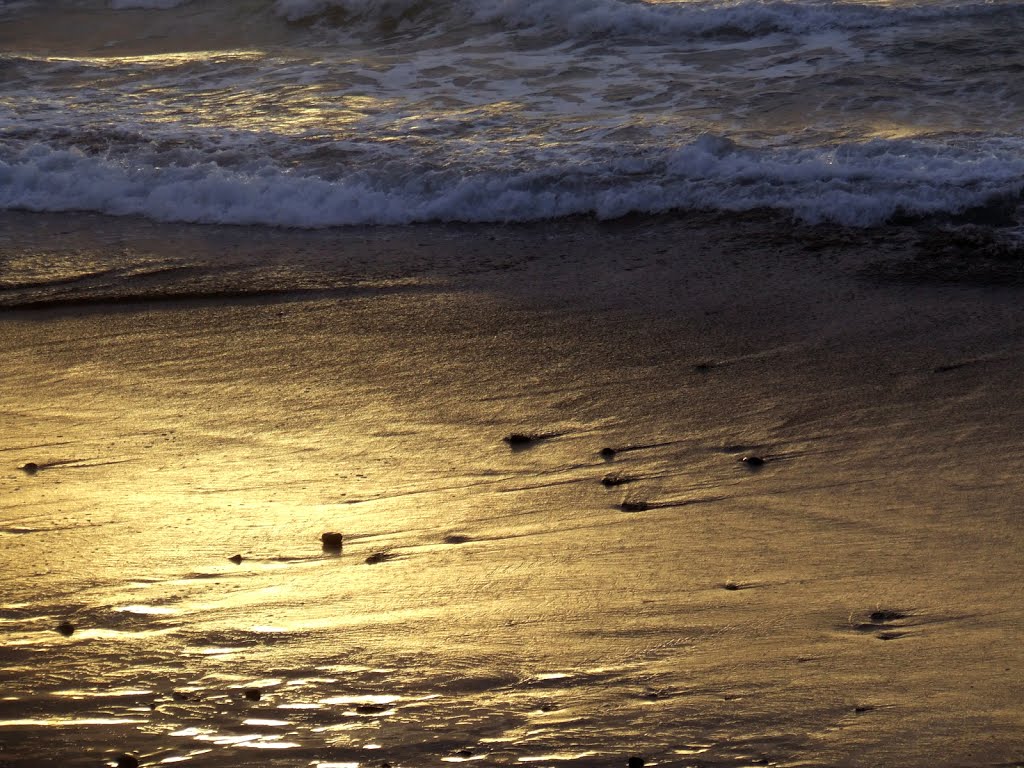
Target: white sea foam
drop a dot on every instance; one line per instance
(857, 185)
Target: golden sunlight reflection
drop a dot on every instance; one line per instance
(893, 130)
(367, 699)
(69, 722)
(75, 693)
(291, 107)
(488, 605)
(165, 59)
(152, 610)
(557, 756)
(265, 721)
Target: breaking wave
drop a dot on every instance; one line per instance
(860, 184)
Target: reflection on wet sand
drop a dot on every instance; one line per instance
(496, 606)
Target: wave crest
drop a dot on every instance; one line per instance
(857, 185)
(630, 19)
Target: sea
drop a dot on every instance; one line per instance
(326, 113)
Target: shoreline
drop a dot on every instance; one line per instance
(920, 253)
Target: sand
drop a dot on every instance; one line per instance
(196, 393)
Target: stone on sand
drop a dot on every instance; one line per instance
(331, 540)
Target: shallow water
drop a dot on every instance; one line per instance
(855, 601)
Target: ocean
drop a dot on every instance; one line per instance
(323, 113)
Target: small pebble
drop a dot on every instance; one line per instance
(464, 753)
(753, 461)
(331, 540)
(252, 694)
(611, 481)
(127, 761)
(635, 762)
(29, 468)
(379, 557)
(66, 628)
(608, 452)
(518, 438)
(236, 559)
(634, 506)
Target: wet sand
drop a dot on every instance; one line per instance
(198, 393)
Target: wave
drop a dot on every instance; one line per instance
(857, 184)
(636, 19)
(595, 21)
(119, 5)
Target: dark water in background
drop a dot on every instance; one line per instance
(312, 113)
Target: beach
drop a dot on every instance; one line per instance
(803, 548)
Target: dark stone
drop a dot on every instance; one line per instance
(66, 628)
(456, 538)
(236, 559)
(635, 762)
(379, 557)
(331, 540)
(464, 753)
(731, 585)
(608, 453)
(634, 506)
(521, 440)
(252, 694)
(127, 761)
(610, 481)
(753, 461)
(29, 468)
